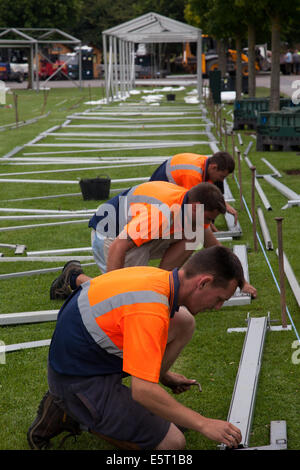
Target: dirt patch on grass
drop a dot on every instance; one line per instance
(293, 172)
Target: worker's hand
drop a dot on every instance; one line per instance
(233, 212)
(213, 227)
(248, 289)
(176, 382)
(221, 431)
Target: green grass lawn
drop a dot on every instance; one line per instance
(213, 355)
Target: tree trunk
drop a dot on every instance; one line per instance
(251, 61)
(221, 51)
(275, 70)
(238, 73)
(30, 65)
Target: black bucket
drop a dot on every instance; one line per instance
(96, 189)
(171, 97)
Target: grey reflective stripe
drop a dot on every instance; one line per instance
(89, 313)
(170, 168)
(143, 199)
(168, 171)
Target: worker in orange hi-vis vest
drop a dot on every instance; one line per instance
(134, 322)
(154, 220)
(190, 169)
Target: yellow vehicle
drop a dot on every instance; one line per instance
(210, 58)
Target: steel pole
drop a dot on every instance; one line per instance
(281, 271)
(253, 170)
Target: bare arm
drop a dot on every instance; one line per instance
(209, 238)
(175, 256)
(232, 211)
(117, 252)
(153, 397)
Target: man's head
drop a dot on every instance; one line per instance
(209, 278)
(211, 197)
(219, 166)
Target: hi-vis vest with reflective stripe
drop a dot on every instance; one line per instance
(145, 212)
(127, 312)
(186, 169)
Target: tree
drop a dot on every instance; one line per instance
(279, 14)
(225, 22)
(98, 15)
(33, 14)
(255, 19)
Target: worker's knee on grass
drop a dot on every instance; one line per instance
(174, 440)
(184, 323)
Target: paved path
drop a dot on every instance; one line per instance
(261, 81)
(286, 82)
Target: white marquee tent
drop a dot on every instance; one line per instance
(151, 28)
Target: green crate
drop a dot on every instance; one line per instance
(247, 110)
(279, 123)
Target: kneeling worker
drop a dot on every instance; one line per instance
(149, 221)
(134, 321)
(190, 169)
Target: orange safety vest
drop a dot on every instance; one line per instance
(187, 169)
(116, 322)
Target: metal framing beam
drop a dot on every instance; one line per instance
(262, 195)
(28, 317)
(275, 171)
(240, 298)
(243, 398)
(282, 188)
(232, 227)
(264, 229)
(291, 277)
(28, 345)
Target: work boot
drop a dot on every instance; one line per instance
(60, 287)
(50, 421)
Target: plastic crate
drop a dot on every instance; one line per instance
(247, 110)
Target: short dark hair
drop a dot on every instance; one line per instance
(218, 261)
(209, 195)
(223, 160)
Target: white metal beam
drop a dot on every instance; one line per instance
(291, 278)
(243, 398)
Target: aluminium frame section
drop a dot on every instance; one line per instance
(19, 249)
(282, 188)
(227, 192)
(35, 272)
(291, 277)
(28, 317)
(278, 437)
(28, 345)
(262, 195)
(239, 297)
(275, 171)
(264, 229)
(232, 227)
(242, 404)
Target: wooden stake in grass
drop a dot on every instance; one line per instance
(225, 133)
(45, 95)
(253, 169)
(281, 271)
(233, 148)
(240, 180)
(15, 96)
